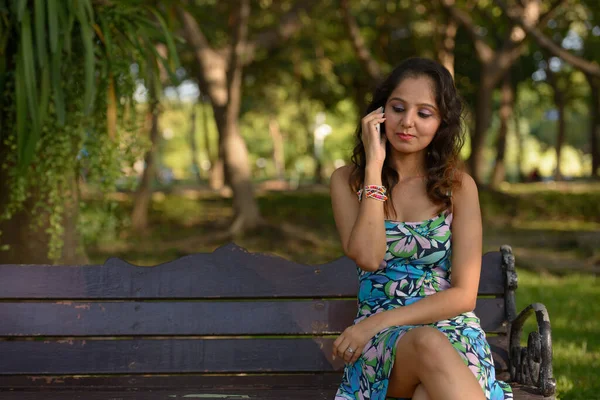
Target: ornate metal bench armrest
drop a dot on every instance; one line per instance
(532, 365)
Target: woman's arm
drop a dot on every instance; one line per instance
(360, 224)
(466, 268)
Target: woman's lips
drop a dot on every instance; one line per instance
(404, 136)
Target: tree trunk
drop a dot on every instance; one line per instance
(483, 117)
(216, 175)
(278, 149)
(318, 171)
(560, 102)
(237, 174)
(520, 139)
(361, 90)
(446, 47)
(194, 146)
(73, 252)
(235, 153)
(506, 110)
(560, 137)
(595, 124)
(143, 194)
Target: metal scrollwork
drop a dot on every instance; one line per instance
(532, 365)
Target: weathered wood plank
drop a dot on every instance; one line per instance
(176, 318)
(187, 381)
(175, 393)
(85, 356)
(82, 318)
(239, 393)
(166, 356)
(228, 272)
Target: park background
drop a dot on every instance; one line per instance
(150, 130)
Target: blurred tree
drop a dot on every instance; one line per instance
(505, 113)
(591, 69)
(495, 61)
(220, 78)
(143, 193)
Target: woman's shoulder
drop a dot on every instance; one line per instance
(465, 182)
(466, 192)
(342, 174)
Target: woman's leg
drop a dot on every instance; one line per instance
(425, 356)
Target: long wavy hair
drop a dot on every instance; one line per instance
(442, 159)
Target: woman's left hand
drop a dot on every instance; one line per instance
(350, 344)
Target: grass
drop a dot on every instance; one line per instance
(573, 302)
(554, 232)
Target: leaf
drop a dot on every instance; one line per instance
(168, 38)
(59, 102)
(87, 37)
(22, 5)
(164, 63)
(29, 141)
(21, 106)
(107, 38)
(40, 31)
(44, 93)
(53, 24)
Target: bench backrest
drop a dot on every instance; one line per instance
(223, 312)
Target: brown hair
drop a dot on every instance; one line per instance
(442, 160)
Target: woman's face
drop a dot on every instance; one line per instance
(412, 115)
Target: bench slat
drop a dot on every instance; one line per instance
(187, 381)
(117, 387)
(79, 356)
(175, 393)
(228, 272)
(197, 317)
(263, 393)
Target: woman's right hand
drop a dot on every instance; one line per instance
(373, 141)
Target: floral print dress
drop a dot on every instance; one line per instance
(417, 264)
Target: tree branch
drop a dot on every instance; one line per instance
(212, 79)
(365, 58)
(236, 62)
(483, 50)
(544, 18)
(288, 25)
(544, 42)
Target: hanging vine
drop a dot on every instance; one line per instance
(67, 112)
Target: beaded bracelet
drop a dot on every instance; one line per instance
(373, 191)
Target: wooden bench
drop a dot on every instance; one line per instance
(223, 325)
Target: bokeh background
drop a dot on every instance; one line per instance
(149, 130)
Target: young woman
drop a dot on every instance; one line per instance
(410, 219)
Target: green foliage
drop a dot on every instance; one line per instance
(50, 35)
(68, 72)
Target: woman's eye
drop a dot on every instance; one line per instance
(424, 115)
(398, 109)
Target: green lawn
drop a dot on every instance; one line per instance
(573, 302)
(553, 234)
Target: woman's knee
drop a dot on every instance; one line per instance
(430, 345)
(428, 340)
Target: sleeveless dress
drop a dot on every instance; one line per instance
(416, 264)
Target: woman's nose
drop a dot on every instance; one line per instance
(408, 120)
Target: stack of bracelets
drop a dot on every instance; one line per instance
(373, 191)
